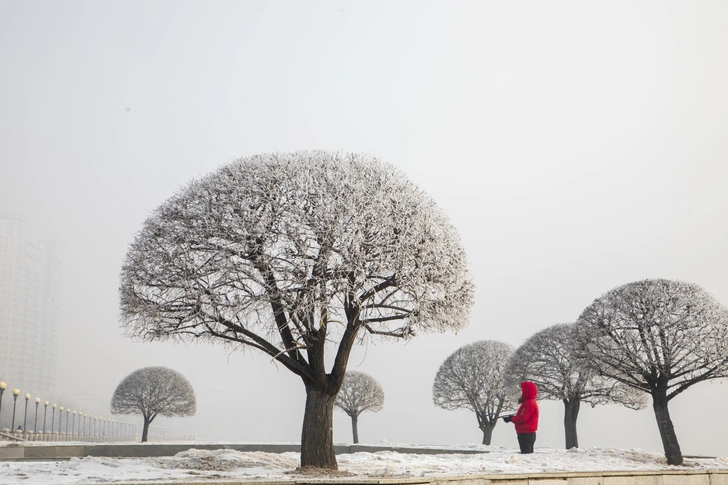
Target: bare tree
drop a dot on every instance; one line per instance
(660, 337)
(295, 255)
(154, 391)
(472, 378)
(548, 359)
(359, 392)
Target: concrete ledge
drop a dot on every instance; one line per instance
(51, 452)
(18, 451)
(139, 450)
(340, 449)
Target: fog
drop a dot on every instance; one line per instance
(576, 146)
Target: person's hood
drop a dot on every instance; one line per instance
(528, 390)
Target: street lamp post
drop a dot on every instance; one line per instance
(35, 423)
(53, 416)
(45, 413)
(16, 392)
(68, 416)
(3, 386)
(25, 415)
(73, 423)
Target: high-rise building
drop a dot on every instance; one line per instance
(30, 287)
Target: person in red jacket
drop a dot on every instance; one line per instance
(526, 419)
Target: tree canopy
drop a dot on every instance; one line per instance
(473, 377)
(285, 252)
(549, 358)
(359, 392)
(154, 391)
(660, 337)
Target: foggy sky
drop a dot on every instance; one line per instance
(576, 146)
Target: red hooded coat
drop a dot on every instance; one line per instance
(526, 419)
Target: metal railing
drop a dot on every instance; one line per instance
(60, 423)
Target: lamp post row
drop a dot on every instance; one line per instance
(87, 425)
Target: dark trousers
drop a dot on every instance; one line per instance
(526, 441)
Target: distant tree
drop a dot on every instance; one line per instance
(660, 337)
(293, 255)
(359, 392)
(548, 359)
(472, 378)
(154, 391)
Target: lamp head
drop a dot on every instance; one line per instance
(16, 392)
(37, 400)
(3, 386)
(27, 396)
(45, 403)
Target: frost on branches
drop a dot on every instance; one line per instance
(154, 391)
(548, 359)
(659, 337)
(286, 252)
(359, 392)
(473, 377)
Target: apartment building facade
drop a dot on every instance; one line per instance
(30, 300)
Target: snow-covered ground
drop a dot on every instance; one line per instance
(202, 465)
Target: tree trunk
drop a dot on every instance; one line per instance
(145, 429)
(354, 427)
(317, 437)
(664, 424)
(571, 412)
(487, 433)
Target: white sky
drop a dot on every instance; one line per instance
(576, 145)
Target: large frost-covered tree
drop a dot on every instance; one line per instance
(359, 392)
(296, 255)
(151, 392)
(660, 337)
(472, 378)
(548, 359)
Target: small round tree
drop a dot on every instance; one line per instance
(549, 359)
(473, 378)
(659, 337)
(359, 392)
(154, 391)
(298, 256)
